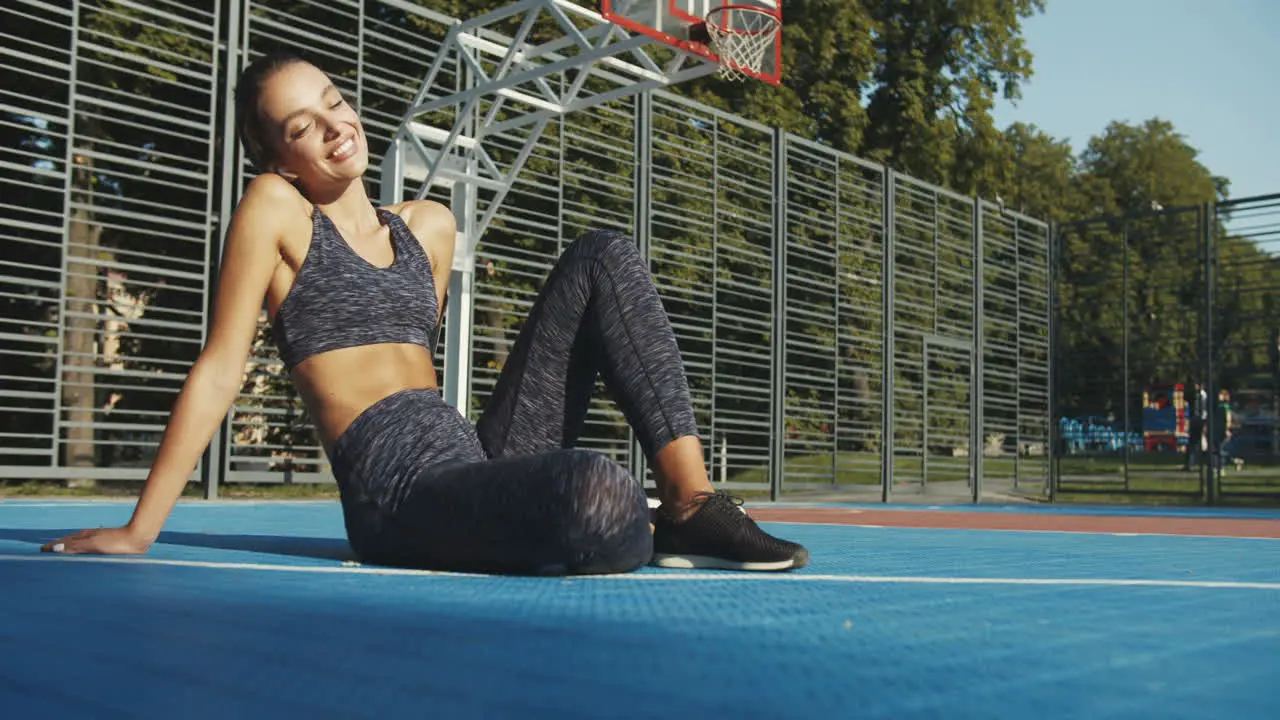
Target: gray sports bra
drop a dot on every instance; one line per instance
(341, 300)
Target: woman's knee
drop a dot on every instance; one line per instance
(607, 516)
(610, 246)
(601, 493)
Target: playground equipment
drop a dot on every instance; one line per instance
(1165, 426)
(1164, 418)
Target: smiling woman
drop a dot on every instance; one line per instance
(268, 143)
(355, 292)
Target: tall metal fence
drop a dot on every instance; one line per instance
(845, 328)
(1167, 359)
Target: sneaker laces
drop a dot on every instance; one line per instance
(723, 494)
(703, 497)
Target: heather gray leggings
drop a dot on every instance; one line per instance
(422, 488)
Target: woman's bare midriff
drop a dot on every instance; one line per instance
(340, 384)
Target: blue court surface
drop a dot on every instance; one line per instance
(254, 609)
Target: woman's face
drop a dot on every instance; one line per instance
(317, 136)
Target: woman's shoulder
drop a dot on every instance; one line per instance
(431, 223)
(270, 202)
(425, 213)
(270, 186)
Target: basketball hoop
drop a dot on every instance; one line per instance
(740, 35)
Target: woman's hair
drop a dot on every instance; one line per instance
(251, 129)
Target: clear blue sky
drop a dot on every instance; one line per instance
(1208, 66)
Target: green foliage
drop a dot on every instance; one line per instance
(1138, 281)
(909, 84)
(1135, 165)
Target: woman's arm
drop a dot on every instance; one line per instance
(436, 229)
(249, 258)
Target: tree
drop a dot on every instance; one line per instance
(1042, 174)
(896, 82)
(1133, 166)
(1138, 278)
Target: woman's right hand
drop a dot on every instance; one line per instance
(251, 252)
(102, 541)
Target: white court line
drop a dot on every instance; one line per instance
(658, 577)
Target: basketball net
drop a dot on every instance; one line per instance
(740, 35)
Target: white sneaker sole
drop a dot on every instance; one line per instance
(695, 562)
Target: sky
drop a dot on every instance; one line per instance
(1201, 64)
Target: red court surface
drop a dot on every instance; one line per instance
(1207, 526)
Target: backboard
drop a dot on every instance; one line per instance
(682, 24)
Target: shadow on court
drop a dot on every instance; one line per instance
(309, 547)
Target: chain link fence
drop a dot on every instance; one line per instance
(1167, 382)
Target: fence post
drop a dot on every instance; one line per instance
(215, 457)
(60, 350)
(1124, 346)
(1054, 440)
(887, 263)
(778, 372)
(976, 426)
(1207, 237)
(643, 144)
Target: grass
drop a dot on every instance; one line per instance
(1159, 479)
(854, 468)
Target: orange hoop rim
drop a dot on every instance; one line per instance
(775, 15)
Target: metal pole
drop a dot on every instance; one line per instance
(215, 458)
(715, 274)
(461, 307)
(778, 372)
(1053, 242)
(924, 431)
(976, 426)
(69, 163)
(887, 360)
(360, 45)
(391, 182)
(1211, 477)
(936, 262)
(561, 139)
(835, 375)
(1017, 354)
(643, 226)
(1124, 319)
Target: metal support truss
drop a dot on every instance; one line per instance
(506, 90)
(496, 82)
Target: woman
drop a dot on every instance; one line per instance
(355, 293)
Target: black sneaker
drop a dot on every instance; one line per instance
(720, 535)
